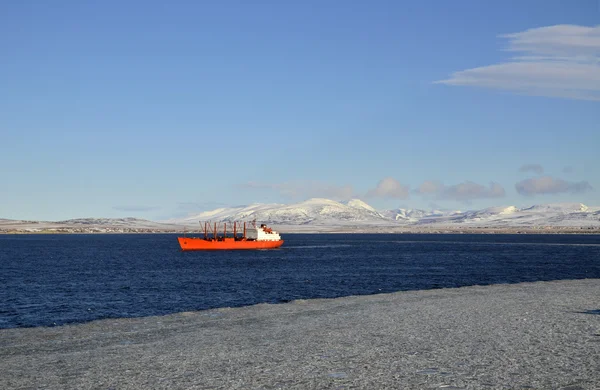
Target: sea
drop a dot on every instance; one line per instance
(52, 280)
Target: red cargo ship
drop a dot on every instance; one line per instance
(252, 237)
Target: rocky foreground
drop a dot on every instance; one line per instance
(542, 335)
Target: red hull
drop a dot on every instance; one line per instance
(200, 244)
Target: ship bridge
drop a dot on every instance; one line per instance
(262, 233)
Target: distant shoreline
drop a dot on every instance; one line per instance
(319, 230)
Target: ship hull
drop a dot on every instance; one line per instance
(200, 244)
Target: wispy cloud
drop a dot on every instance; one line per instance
(135, 208)
(568, 169)
(557, 61)
(463, 192)
(536, 168)
(550, 185)
(389, 188)
(305, 189)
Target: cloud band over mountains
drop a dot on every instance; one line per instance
(462, 192)
(466, 191)
(389, 188)
(550, 185)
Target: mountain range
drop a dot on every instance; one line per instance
(326, 212)
(320, 214)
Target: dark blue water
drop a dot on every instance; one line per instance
(57, 279)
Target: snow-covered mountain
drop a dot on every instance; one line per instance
(325, 212)
(103, 221)
(128, 222)
(552, 215)
(88, 225)
(558, 207)
(414, 215)
(316, 211)
(359, 205)
(320, 214)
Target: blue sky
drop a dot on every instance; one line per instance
(155, 109)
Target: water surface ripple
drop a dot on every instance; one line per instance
(57, 279)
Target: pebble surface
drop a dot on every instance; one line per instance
(543, 335)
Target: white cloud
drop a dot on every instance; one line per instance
(558, 61)
(464, 192)
(305, 189)
(550, 185)
(537, 168)
(389, 188)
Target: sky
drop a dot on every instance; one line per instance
(158, 110)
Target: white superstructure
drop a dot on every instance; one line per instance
(262, 233)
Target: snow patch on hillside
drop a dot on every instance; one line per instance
(359, 204)
(558, 208)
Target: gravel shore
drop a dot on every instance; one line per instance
(543, 335)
